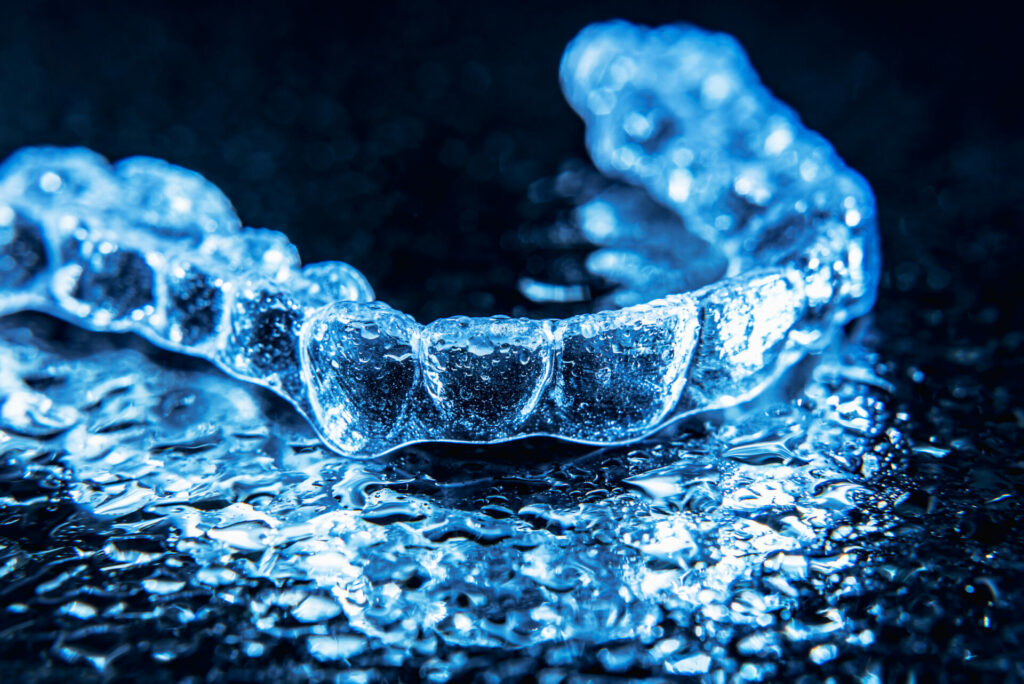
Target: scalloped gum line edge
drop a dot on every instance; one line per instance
(544, 415)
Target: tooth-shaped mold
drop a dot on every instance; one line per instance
(55, 177)
(676, 111)
(325, 282)
(263, 340)
(485, 375)
(108, 275)
(619, 373)
(24, 256)
(359, 366)
(195, 303)
(172, 200)
(745, 323)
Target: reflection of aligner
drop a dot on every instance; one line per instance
(157, 250)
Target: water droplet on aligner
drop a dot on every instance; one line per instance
(480, 345)
(50, 182)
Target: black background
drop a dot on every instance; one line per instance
(404, 140)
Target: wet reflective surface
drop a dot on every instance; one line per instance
(709, 551)
(156, 511)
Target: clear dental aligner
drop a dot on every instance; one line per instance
(148, 247)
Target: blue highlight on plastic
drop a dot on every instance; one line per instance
(760, 207)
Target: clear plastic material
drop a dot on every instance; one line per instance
(758, 203)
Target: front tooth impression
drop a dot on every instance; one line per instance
(621, 372)
(485, 375)
(359, 366)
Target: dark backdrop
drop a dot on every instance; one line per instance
(403, 139)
